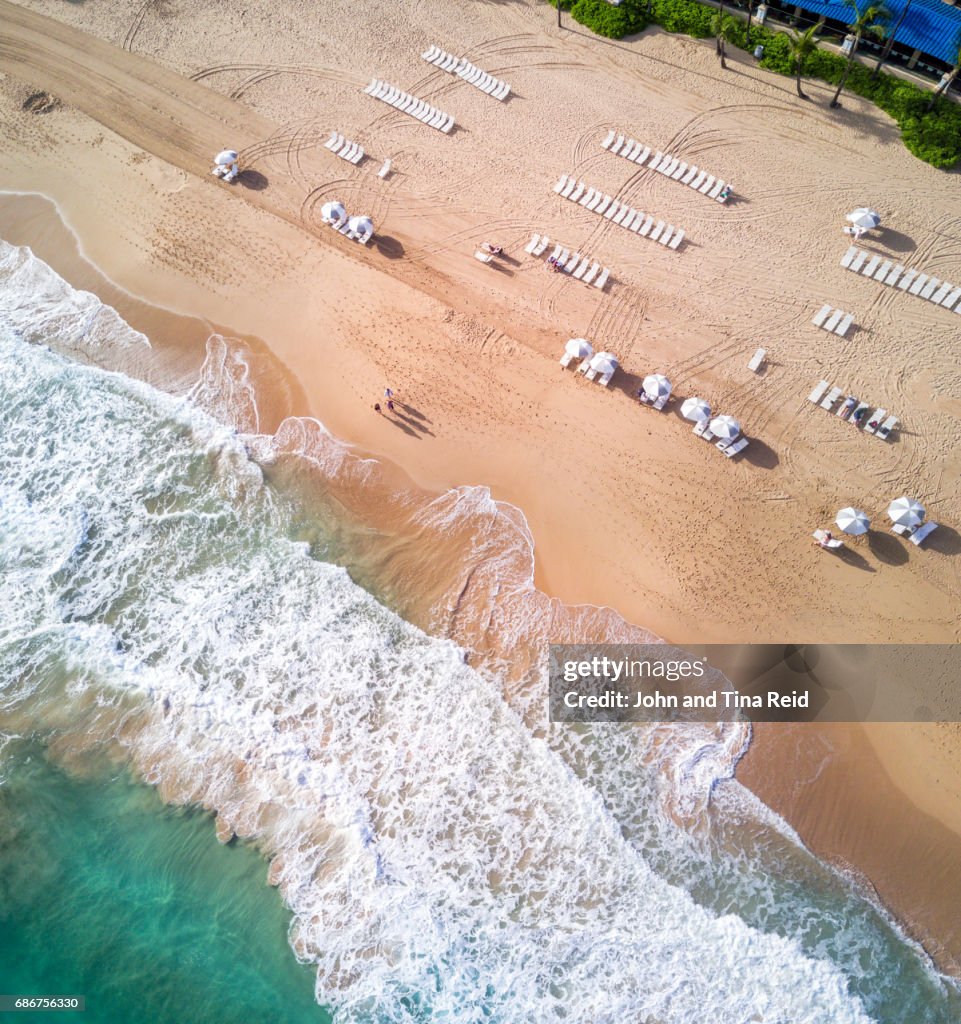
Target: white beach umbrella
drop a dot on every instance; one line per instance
(906, 512)
(695, 409)
(853, 521)
(333, 213)
(604, 362)
(864, 217)
(656, 385)
(725, 427)
(226, 157)
(579, 348)
(362, 226)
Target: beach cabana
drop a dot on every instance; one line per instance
(333, 213)
(906, 511)
(225, 164)
(576, 348)
(656, 385)
(602, 366)
(853, 521)
(864, 217)
(725, 427)
(360, 229)
(695, 409)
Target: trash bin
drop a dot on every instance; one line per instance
(758, 52)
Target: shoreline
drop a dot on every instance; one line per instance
(584, 466)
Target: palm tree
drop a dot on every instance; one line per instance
(802, 45)
(870, 20)
(946, 81)
(723, 25)
(886, 52)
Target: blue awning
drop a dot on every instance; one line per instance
(931, 26)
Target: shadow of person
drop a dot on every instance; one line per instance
(411, 411)
(252, 179)
(389, 247)
(414, 424)
(402, 425)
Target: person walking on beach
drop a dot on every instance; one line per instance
(388, 394)
(390, 405)
(377, 408)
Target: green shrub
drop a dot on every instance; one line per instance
(606, 20)
(684, 16)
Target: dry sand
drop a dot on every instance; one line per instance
(626, 507)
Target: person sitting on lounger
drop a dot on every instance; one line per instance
(725, 193)
(494, 250)
(849, 403)
(859, 415)
(825, 540)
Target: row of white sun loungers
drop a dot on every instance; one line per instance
(620, 213)
(887, 272)
(344, 148)
(577, 264)
(408, 104)
(831, 319)
(853, 411)
(670, 166)
(729, 448)
(472, 75)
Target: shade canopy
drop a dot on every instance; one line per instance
(656, 385)
(362, 226)
(853, 521)
(906, 512)
(604, 362)
(333, 213)
(864, 217)
(725, 427)
(225, 157)
(580, 348)
(695, 409)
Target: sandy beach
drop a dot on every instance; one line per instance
(626, 508)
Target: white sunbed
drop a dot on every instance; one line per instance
(882, 272)
(669, 168)
(566, 359)
(634, 150)
(833, 320)
(832, 396)
(501, 92)
(821, 315)
(606, 379)
(909, 276)
(661, 402)
(892, 278)
(708, 185)
(646, 226)
(562, 259)
(716, 191)
(450, 63)
(952, 298)
(384, 169)
(590, 373)
(848, 256)
(602, 280)
(570, 264)
(731, 450)
(818, 393)
(568, 188)
(644, 154)
(656, 233)
(756, 360)
(596, 201)
(919, 282)
(869, 270)
(611, 136)
(592, 273)
(843, 327)
(331, 142)
(585, 366)
(928, 290)
(603, 204)
(612, 209)
(875, 420)
(846, 407)
(616, 148)
(830, 543)
(636, 221)
(696, 183)
(622, 213)
(559, 187)
(917, 537)
(484, 257)
(859, 260)
(858, 414)
(541, 246)
(703, 429)
(588, 196)
(666, 234)
(656, 159)
(886, 427)
(558, 249)
(532, 244)
(679, 172)
(689, 176)
(575, 196)
(939, 295)
(677, 239)
(582, 269)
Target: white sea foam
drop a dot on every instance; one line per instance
(444, 859)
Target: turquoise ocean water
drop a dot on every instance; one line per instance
(169, 610)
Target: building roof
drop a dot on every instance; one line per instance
(931, 26)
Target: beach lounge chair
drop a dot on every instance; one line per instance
(559, 187)
(656, 159)
(595, 202)
(331, 141)
(917, 537)
(590, 373)
(636, 221)
(602, 280)
(951, 299)
(661, 402)
(679, 172)
(696, 183)
(907, 279)
(384, 169)
(558, 249)
(886, 427)
(532, 244)
(670, 167)
(871, 266)
(848, 256)
(592, 273)
(858, 260)
(716, 191)
(584, 367)
(562, 259)
(484, 257)
(587, 197)
(582, 269)
(666, 234)
(875, 420)
(568, 188)
(832, 396)
(575, 196)
(501, 92)
(541, 246)
(846, 407)
(644, 154)
(603, 204)
(606, 379)
(833, 319)
(858, 414)
(646, 226)
(928, 290)
(818, 393)
(570, 264)
(689, 175)
(566, 359)
(431, 52)
(893, 276)
(708, 185)
(634, 151)
(842, 327)
(706, 432)
(656, 233)
(677, 239)
(611, 135)
(822, 538)
(616, 148)
(919, 282)
(821, 315)
(618, 217)
(613, 208)
(732, 449)
(882, 272)
(700, 427)
(756, 360)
